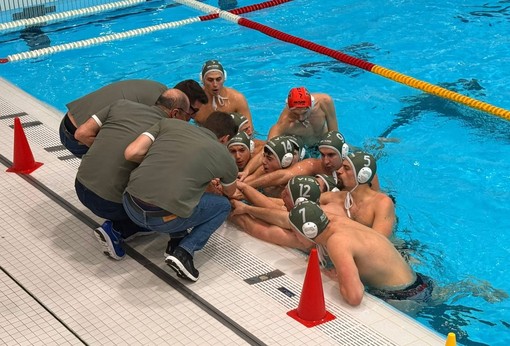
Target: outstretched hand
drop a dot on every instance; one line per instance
(241, 176)
(238, 207)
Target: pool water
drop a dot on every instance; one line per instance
(446, 165)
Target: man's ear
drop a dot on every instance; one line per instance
(224, 139)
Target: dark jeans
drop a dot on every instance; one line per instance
(207, 217)
(66, 132)
(108, 210)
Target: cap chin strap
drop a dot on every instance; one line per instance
(323, 255)
(306, 122)
(221, 101)
(335, 176)
(349, 201)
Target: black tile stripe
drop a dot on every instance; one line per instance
(66, 157)
(264, 277)
(14, 115)
(55, 148)
(28, 124)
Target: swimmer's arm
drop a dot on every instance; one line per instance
(329, 110)
(275, 130)
(278, 128)
(279, 177)
(282, 176)
(86, 133)
(229, 190)
(384, 220)
(277, 203)
(270, 233)
(252, 165)
(137, 149)
(244, 109)
(272, 216)
(255, 197)
(349, 282)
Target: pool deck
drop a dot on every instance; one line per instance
(58, 288)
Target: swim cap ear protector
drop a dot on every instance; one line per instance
(364, 166)
(298, 142)
(303, 188)
(299, 98)
(308, 219)
(282, 148)
(212, 66)
(336, 141)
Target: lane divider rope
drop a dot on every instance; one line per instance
(232, 16)
(365, 65)
(96, 40)
(17, 24)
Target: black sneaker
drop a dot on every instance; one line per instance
(170, 247)
(182, 263)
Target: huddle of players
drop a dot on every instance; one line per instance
(344, 184)
(332, 202)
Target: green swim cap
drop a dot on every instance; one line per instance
(212, 66)
(308, 219)
(282, 148)
(336, 141)
(239, 119)
(363, 165)
(241, 138)
(329, 181)
(304, 188)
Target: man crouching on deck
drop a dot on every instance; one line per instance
(166, 192)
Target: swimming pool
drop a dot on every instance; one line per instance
(445, 163)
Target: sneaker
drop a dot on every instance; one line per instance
(174, 242)
(182, 263)
(170, 247)
(137, 234)
(109, 241)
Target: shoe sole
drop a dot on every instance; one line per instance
(179, 268)
(106, 243)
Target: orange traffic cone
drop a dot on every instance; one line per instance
(312, 308)
(23, 159)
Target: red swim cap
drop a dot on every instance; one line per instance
(299, 98)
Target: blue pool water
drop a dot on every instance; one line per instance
(446, 165)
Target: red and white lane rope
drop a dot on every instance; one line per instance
(368, 66)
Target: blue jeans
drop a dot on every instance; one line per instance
(67, 138)
(107, 209)
(207, 217)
